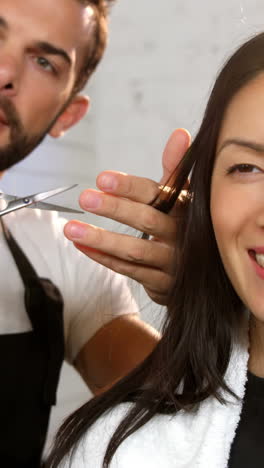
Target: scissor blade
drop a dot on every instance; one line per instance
(7, 198)
(14, 203)
(37, 197)
(50, 207)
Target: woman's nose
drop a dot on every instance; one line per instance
(259, 218)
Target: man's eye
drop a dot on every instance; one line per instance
(243, 168)
(44, 63)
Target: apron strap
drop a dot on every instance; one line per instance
(24, 266)
(44, 306)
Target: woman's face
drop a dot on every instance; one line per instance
(237, 195)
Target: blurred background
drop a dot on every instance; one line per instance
(156, 76)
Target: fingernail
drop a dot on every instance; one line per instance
(76, 231)
(91, 201)
(107, 182)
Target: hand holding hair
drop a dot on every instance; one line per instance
(126, 199)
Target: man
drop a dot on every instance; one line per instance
(47, 52)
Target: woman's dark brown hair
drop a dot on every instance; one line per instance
(204, 312)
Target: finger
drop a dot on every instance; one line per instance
(123, 185)
(141, 189)
(174, 151)
(155, 281)
(141, 217)
(130, 249)
(160, 298)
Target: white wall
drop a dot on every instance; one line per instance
(156, 76)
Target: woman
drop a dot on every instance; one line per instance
(194, 402)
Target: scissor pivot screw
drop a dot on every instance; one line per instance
(26, 200)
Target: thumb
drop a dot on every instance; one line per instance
(174, 151)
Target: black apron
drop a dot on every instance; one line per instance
(30, 366)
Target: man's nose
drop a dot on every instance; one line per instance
(9, 76)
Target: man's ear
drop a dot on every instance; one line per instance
(73, 113)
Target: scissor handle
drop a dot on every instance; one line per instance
(15, 205)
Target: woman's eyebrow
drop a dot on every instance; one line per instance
(253, 145)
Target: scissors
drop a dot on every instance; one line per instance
(14, 203)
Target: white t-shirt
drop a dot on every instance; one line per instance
(93, 295)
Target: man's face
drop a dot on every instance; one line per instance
(41, 51)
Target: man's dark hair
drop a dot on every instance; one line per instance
(96, 42)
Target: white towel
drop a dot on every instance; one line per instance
(200, 439)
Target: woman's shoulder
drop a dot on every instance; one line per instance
(151, 446)
(91, 449)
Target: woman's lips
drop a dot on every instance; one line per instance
(258, 250)
(252, 255)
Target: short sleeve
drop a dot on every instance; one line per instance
(93, 295)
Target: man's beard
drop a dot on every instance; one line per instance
(21, 144)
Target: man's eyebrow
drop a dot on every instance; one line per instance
(253, 145)
(47, 48)
(43, 46)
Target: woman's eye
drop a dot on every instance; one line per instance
(44, 63)
(244, 168)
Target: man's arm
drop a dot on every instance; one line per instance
(125, 199)
(124, 342)
(115, 350)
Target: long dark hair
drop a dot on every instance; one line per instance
(204, 312)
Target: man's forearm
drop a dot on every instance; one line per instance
(115, 350)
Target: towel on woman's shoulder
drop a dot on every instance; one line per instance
(199, 439)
